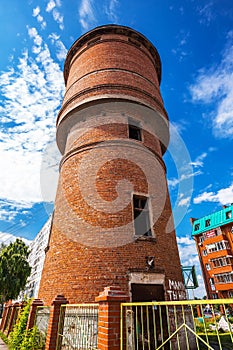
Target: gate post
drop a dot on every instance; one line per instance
(32, 313)
(4, 316)
(12, 316)
(52, 335)
(109, 317)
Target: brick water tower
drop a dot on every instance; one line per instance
(112, 222)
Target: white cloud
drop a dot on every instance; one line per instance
(40, 19)
(198, 162)
(175, 181)
(222, 196)
(206, 13)
(7, 238)
(184, 201)
(31, 97)
(215, 86)
(58, 18)
(36, 11)
(110, 10)
(86, 13)
(10, 209)
(60, 47)
(50, 6)
(58, 3)
(182, 39)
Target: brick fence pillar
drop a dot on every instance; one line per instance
(5, 310)
(51, 339)
(32, 313)
(109, 317)
(5, 319)
(12, 318)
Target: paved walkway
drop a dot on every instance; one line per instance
(3, 346)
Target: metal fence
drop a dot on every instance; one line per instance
(42, 319)
(191, 324)
(78, 327)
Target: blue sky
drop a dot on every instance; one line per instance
(194, 40)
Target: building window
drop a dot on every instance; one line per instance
(142, 223)
(204, 252)
(228, 214)
(223, 261)
(207, 266)
(202, 238)
(196, 227)
(224, 278)
(135, 132)
(215, 247)
(214, 296)
(230, 294)
(207, 223)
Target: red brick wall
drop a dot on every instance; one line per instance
(92, 243)
(113, 65)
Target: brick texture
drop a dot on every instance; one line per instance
(109, 317)
(93, 243)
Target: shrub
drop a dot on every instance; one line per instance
(33, 340)
(22, 339)
(4, 338)
(19, 330)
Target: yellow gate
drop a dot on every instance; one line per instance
(181, 325)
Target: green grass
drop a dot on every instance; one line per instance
(4, 338)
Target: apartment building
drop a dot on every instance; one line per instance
(36, 260)
(213, 235)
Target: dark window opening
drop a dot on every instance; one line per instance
(142, 223)
(228, 214)
(135, 132)
(196, 227)
(207, 223)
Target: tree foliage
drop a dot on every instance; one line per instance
(14, 269)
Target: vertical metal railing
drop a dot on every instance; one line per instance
(181, 325)
(78, 327)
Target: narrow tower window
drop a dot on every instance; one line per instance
(135, 132)
(142, 224)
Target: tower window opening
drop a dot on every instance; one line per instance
(207, 223)
(135, 132)
(196, 227)
(141, 213)
(228, 214)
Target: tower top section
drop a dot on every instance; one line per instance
(111, 64)
(105, 32)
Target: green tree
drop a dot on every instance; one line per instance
(14, 269)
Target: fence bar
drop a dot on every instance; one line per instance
(188, 324)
